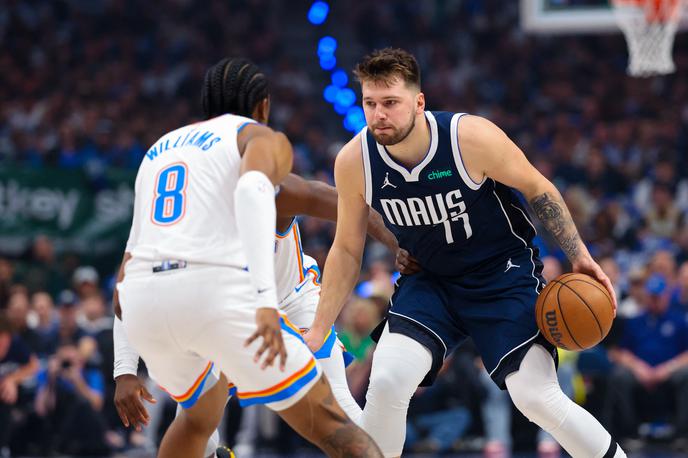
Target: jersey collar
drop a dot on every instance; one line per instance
(414, 174)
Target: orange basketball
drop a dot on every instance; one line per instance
(574, 312)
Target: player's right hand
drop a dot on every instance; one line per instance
(270, 330)
(314, 338)
(405, 263)
(129, 391)
(586, 265)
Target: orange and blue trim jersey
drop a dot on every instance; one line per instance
(329, 343)
(292, 267)
(189, 398)
(287, 387)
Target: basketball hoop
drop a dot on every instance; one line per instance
(650, 27)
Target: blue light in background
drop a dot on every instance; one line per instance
(330, 93)
(339, 78)
(337, 93)
(318, 13)
(355, 119)
(346, 97)
(340, 109)
(326, 46)
(328, 62)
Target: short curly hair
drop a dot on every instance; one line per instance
(386, 65)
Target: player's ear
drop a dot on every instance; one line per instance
(262, 111)
(420, 102)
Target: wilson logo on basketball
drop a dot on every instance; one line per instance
(553, 326)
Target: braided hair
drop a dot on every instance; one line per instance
(233, 85)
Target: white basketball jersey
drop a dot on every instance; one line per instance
(293, 269)
(184, 204)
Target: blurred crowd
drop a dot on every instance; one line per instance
(89, 84)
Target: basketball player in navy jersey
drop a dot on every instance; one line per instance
(443, 183)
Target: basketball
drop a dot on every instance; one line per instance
(574, 312)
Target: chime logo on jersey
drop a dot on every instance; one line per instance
(428, 211)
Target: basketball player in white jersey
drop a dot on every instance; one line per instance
(298, 290)
(198, 275)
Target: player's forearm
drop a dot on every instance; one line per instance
(377, 230)
(126, 358)
(341, 272)
(549, 206)
(254, 204)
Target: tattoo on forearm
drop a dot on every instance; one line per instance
(552, 211)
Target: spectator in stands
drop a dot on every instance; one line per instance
(42, 271)
(632, 305)
(651, 360)
(69, 330)
(47, 324)
(85, 281)
(679, 296)
(6, 280)
(662, 216)
(69, 398)
(17, 364)
(18, 310)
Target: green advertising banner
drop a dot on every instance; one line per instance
(88, 216)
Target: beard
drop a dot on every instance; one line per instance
(395, 135)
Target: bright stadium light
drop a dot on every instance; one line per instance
(327, 46)
(328, 62)
(318, 12)
(346, 97)
(330, 93)
(339, 78)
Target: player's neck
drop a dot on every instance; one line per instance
(412, 150)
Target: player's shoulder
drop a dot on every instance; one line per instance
(350, 154)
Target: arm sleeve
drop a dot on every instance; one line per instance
(254, 202)
(126, 358)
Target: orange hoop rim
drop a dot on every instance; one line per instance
(655, 10)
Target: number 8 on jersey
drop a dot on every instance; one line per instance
(169, 202)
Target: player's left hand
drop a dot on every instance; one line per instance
(270, 330)
(586, 265)
(129, 393)
(405, 263)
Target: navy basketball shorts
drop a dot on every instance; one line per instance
(495, 307)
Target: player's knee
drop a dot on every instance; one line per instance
(542, 403)
(198, 423)
(390, 387)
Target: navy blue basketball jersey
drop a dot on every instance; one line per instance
(449, 223)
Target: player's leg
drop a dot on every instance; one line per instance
(318, 417)
(535, 390)
(160, 322)
(188, 434)
(411, 348)
(334, 369)
(300, 310)
(399, 365)
(298, 392)
(214, 440)
(499, 316)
